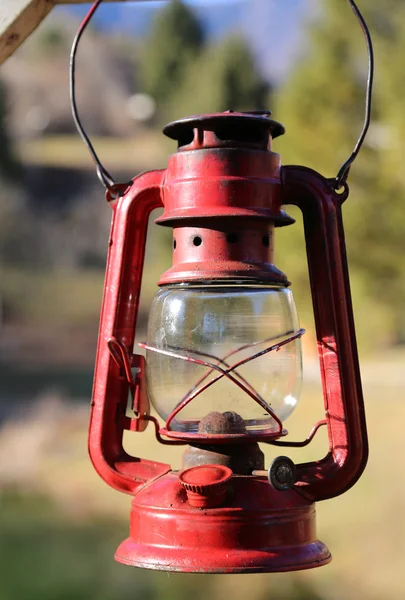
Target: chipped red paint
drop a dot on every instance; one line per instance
(223, 182)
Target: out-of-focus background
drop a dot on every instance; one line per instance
(140, 66)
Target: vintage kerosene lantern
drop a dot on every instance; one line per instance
(223, 356)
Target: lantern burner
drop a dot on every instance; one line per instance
(243, 459)
(227, 422)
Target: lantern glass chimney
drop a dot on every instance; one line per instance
(221, 324)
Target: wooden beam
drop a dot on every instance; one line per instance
(19, 18)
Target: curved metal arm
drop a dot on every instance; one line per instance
(329, 278)
(118, 320)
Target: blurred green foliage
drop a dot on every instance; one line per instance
(213, 82)
(187, 75)
(174, 42)
(322, 105)
(45, 556)
(54, 39)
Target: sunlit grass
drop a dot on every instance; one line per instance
(148, 149)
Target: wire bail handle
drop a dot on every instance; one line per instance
(115, 190)
(343, 173)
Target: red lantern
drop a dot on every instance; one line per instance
(223, 356)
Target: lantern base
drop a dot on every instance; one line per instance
(258, 529)
(237, 561)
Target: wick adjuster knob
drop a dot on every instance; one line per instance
(282, 473)
(206, 485)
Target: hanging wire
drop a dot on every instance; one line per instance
(343, 173)
(103, 175)
(108, 181)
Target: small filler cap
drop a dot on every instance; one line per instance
(206, 485)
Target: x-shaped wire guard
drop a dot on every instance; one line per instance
(123, 360)
(237, 379)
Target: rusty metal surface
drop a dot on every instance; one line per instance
(242, 251)
(223, 182)
(243, 459)
(222, 197)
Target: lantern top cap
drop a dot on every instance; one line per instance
(228, 126)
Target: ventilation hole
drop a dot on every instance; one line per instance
(254, 133)
(266, 240)
(174, 244)
(185, 138)
(232, 238)
(197, 241)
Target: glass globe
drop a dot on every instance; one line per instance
(222, 324)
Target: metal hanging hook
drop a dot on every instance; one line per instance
(341, 177)
(104, 176)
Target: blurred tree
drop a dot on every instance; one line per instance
(187, 76)
(12, 215)
(175, 39)
(52, 39)
(322, 105)
(223, 77)
(8, 162)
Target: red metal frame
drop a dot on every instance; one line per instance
(218, 186)
(118, 321)
(337, 349)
